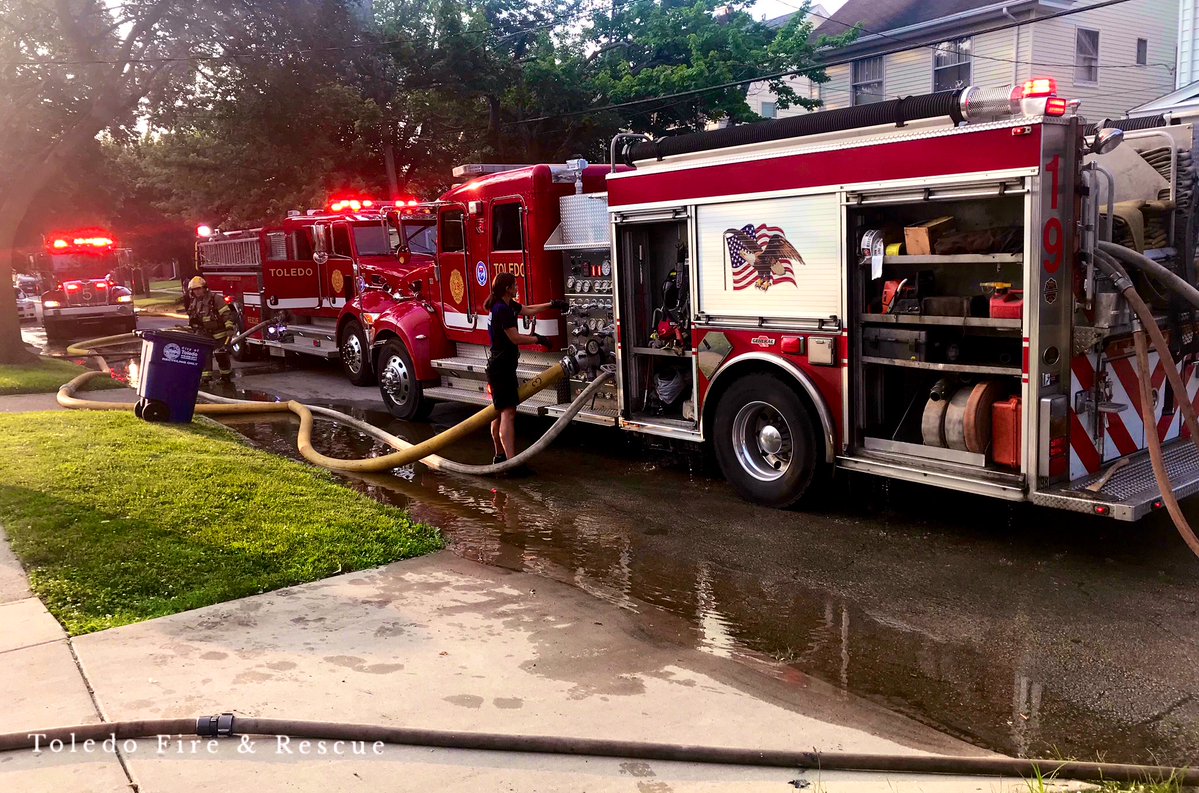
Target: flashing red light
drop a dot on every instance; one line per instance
(1039, 86)
(228, 298)
(368, 204)
(1158, 504)
(60, 244)
(412, 202)
(72, 287)
(1100, 509)
(101, 284)
(203, 230)
(1055, 106)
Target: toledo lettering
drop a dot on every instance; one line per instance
(294, 272)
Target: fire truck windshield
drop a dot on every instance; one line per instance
(372, 240)
(421, 237)
(82, 265)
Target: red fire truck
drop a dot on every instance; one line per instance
(906, 289)
(82, 297)
(324, 275)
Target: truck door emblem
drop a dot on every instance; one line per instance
(481, 273)
(1051, 291)
(761, 256)
(457, 286)
(339, 281)
(762, 341)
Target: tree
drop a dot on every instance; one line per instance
(72, 69)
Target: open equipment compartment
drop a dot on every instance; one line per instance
(655, 304)
(936, 304)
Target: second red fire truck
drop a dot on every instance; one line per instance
(905, 289)
(77, 270)
(323, 276)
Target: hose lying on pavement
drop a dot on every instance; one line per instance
(406, 452)
(228, 725)
(436, 462)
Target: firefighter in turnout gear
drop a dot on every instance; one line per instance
(212, 317)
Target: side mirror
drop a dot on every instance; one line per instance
(1106, 140)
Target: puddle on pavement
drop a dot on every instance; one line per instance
(1023, 631)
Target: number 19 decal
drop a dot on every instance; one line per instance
(1051, 232)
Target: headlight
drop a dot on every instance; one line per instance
(125, 299)
(50, 304)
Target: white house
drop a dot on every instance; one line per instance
(1113, 58)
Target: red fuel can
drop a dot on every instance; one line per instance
(1005, 432)
(1009, 305)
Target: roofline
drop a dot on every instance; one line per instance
(995, 9)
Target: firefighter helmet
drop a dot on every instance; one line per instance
(197, 283)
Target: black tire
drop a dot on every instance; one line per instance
(154, 410)
(766, 444)
(138, 407)
(243, 351)
(401, 391)
(355, 354)
(55, 330)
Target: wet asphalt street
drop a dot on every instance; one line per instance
(1021, 630)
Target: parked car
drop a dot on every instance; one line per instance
(26, 306)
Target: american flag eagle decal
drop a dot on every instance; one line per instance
(761, 256)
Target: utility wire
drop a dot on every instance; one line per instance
(821, 65)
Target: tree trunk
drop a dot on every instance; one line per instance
(12, 348)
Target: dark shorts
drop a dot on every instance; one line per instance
(501, 376)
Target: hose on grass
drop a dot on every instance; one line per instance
(228, 725)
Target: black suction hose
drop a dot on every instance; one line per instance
(228, 725)
(1158, 272)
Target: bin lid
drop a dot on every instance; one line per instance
(178, 336)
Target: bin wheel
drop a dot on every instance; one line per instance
(138, 407)
(155, 411)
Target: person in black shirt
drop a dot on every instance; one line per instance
(505, 352)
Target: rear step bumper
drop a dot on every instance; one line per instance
(1132, 492)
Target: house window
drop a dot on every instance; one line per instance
(952, 64)
(1086, 56)
(769, 110)
(1142, 52)
(506, 228)
(868, 80)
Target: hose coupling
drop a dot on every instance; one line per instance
(570, 364)
(219, 726)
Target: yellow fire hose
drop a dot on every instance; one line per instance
(410, 454)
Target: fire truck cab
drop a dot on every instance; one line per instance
(323, 276)
(906, 289)
(84, 296)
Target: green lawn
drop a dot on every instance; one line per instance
(164, 296)
(117, 520)
(45, 376)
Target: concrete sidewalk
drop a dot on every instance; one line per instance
(439, 643)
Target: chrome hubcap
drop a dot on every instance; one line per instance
(762, 440)
(396, 380)
(351, 353)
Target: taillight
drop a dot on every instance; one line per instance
(72, 287)
(51, 304)
(1055, 106)
(101, 284)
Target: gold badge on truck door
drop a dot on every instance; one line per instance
(339, 282)
(457, 286)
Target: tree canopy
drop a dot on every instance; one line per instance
(157, 114)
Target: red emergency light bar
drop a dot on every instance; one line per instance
(1038, 87)
(358, 204)
(87, 240)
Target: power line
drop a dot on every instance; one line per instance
(823, 65)
(988, 57)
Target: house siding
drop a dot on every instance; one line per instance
(1119, 26)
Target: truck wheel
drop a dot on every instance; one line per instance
(765, 443)
(402, 392)
(355, 354)
(243, 350)
(54, 330)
